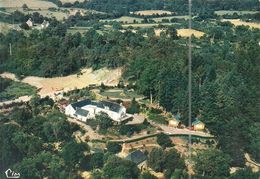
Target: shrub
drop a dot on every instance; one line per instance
(113, 147)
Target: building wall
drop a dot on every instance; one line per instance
(69, 110)
(82, 118)
(93, 111)
(199, 126)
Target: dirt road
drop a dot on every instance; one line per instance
(17, 100)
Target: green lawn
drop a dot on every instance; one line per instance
(120, 94)
(157, 118)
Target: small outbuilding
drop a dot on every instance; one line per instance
(45, 24)
(173, 122)
(137, 157)
(197, 125)
(29, 22)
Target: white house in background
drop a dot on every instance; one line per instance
(87, 109)
(45, 24)
(29, 22)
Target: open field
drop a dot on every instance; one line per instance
(125, 19)
(159, 19)
(59, 14)
(56, 84)
(188, 32)
(5, 27)
(152, 12)
(133, 20)
(146, 25)
(238, 22)
(35, 4)
(221, 13)
(183, 32)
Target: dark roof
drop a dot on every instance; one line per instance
(177, 116)
(197, 121)
(82, 103)
(81, 112)
(102, 104)
(137, 157)
(111, 105)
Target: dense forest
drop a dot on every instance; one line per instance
(178, 6)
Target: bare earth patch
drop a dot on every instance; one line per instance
(49, 86)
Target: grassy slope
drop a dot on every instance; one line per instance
(15, 90)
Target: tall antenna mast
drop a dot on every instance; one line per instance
(10, 49)
(190, 78)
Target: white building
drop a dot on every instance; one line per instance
(87, 109)
(29, 22)
(45, 24)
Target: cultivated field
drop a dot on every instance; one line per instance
(34, 4)
(49, 86)
(152, 12)
(159, 19)
(189, 32)
(59, 15)
(183, 32)
(125, 19)
(221, 13)
(238, 22)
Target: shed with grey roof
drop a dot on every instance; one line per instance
(137, 157)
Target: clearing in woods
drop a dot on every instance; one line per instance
(152, 12)
(35, 4)
(238, 22)
(49, 86)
